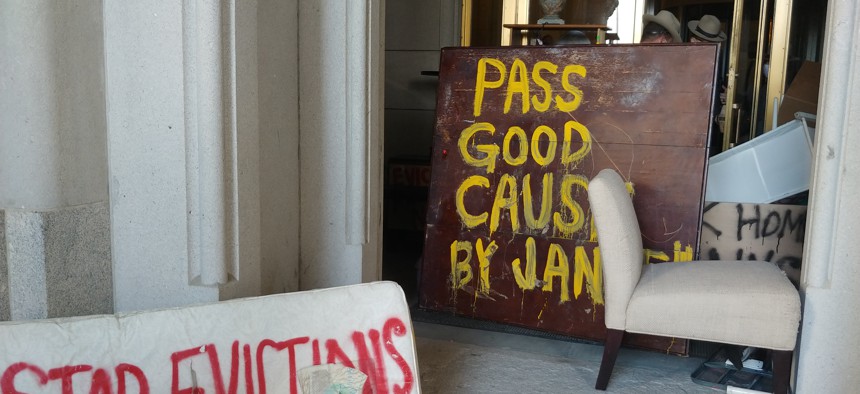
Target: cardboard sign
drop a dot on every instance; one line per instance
(519, 133)
(769, 232)
(276, 344)
(802, 94)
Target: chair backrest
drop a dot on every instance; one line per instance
(620, 243)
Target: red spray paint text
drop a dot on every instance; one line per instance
(198, 370)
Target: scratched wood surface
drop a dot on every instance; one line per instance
(509, 235)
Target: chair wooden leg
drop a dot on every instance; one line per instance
(781, 371)
(610, 353)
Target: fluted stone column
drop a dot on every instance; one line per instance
(829, 334)
(157, 154)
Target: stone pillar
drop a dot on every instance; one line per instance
(201, 195)
(147, 126)
(278, 75)
(53, 166)
(209, 93)
(108, 185)
(340, 74)
(830, 334)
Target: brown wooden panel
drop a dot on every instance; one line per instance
(644, 111)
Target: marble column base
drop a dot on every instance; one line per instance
(55, 263)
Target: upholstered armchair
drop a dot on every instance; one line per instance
(749, 303)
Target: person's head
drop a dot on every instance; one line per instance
(661, 28)
(654, 33)
(707, 29)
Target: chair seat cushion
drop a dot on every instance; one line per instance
(748, 303)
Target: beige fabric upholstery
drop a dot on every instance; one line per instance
(621, 248)
(748, 303)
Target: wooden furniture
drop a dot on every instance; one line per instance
(597, 33)
(508, 232)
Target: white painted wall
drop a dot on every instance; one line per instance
(293, 85)
(322, 83)
(278, 108)
(338, 104)
(830, 333)
(52, 112)
(146, 141)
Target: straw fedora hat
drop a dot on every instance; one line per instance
(668, 21)
(708, 28)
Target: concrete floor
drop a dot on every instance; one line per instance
(464, 360)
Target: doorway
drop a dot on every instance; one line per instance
(779, 35)
(416, 32)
